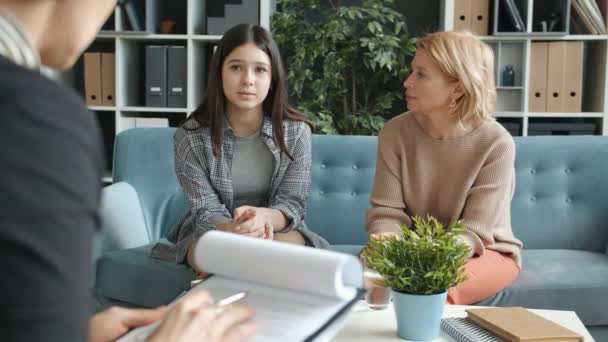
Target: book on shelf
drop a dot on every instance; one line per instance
(134, 14)
(298, 293)
(582, 18)
(602, 5)
(514, 16)
(590, 16)
(593, 8)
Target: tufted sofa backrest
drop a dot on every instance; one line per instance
(343, 170)
(561, 192)
(559, 201)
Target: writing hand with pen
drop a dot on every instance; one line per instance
(195, 318)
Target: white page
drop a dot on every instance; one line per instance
(294, 290)
(281, 315)
(279, 264)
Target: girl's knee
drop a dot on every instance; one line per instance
(293, 237)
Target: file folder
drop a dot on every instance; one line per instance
(537, 93)
(156, 76)
(108, 77)
(176, 77)
(480, 10)
(555, 76)
(573, 74)
(462, 15)
(92, 78)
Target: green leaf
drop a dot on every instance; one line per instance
(426, 258)
(353, 54)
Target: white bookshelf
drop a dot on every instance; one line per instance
(130, 60)
(514, 49)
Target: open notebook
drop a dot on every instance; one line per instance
(299, 293)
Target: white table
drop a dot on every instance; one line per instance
(365, 324)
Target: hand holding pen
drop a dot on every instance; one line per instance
(197, 317)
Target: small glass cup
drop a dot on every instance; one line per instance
(377, 297)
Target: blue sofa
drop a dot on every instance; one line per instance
(558, 212)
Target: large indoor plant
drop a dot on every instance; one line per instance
(346, 60)
(420, 263)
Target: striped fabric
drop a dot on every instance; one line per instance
(15, 46)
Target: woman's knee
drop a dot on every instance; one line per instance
(487, 275)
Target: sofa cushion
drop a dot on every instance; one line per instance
(348, 249)
(560, 191)
(560, 279)
(131, 275)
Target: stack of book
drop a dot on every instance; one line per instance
(506, 325)
(590, 16)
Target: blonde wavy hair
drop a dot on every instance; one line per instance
(464, 58)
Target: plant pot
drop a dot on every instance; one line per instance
(418, 316)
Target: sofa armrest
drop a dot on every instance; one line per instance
(122, 223)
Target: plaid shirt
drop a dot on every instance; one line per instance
(206, 179)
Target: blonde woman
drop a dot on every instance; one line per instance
(449, 158)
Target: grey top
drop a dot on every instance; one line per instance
(251, 171)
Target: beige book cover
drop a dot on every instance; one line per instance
(518, 324)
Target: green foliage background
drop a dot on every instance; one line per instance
(346, 64)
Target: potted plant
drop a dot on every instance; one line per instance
(419, 263)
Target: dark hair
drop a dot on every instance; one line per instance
(211, 112)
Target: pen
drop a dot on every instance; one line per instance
(232, 299)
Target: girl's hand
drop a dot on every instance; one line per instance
(253, 221)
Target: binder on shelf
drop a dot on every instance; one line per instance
(176, 77)
(537, 92)
(462, 14)
(108, 79)
(480, 10)
(92, 78)
(573, 77)
(156, 76)
(555, 76)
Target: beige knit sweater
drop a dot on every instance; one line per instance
(470, 178)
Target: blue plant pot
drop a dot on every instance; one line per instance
(418, 316)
